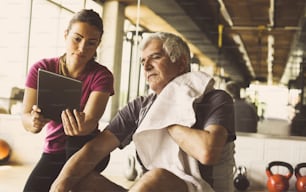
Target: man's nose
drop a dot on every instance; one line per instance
(146, 64)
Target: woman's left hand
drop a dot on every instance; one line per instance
(73, 123)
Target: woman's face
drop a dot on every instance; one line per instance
(82, 41)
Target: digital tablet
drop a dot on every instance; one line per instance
(56, 93)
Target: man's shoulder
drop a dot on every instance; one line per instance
(141, 101)
(242, 102)
(217, 95)
(145, 98)
(218, 92)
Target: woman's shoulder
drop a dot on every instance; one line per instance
(96, 65)
(50, 64)
(99, 68)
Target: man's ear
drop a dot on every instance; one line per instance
(183, 65)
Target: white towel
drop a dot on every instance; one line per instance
(174, 105)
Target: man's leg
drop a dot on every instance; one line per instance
(159, 180)
(95, 182)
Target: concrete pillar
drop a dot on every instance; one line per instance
(111, 49)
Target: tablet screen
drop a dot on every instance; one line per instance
(56, 93)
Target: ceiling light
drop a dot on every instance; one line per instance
(242, 49)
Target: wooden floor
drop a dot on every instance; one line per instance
(13, 178)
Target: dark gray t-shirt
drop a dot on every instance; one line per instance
(216, 108)
(246, 117)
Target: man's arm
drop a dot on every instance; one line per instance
(84, 161)
(204, 145)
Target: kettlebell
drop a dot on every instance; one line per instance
(300, 184)
(5, 152)
(130, 172)
(278, 182)
(241, 181)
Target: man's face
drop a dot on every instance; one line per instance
(158, 68)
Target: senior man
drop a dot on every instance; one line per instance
(183, 132)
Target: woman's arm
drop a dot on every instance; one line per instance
(31, 118)
(84, 123)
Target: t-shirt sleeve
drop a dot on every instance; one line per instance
(125, 122)
(47, 64)
(103, 81)
(31, 80)
(217, 108)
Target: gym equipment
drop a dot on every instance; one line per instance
(5, 151)
(300, 184)
(130, 172)
(278, 182)
(241, 181)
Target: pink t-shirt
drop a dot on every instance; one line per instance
(95, 77)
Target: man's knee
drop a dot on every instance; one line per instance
(96, 182)
(159, 180)
(158, 173)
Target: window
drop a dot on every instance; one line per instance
(32, 30)
(14, 19)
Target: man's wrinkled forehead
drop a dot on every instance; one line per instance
(153, 46)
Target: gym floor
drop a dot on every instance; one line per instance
(13, 178)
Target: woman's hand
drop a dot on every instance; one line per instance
(73, 123)
(37, 119)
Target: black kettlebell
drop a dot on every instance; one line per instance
(241, 181)
(130, 172)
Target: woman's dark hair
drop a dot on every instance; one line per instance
(87, 16)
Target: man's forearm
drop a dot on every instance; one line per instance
(74, 170)
(84, 161)
(204, 145)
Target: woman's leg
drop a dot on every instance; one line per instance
(74, 143)
(44, 173)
